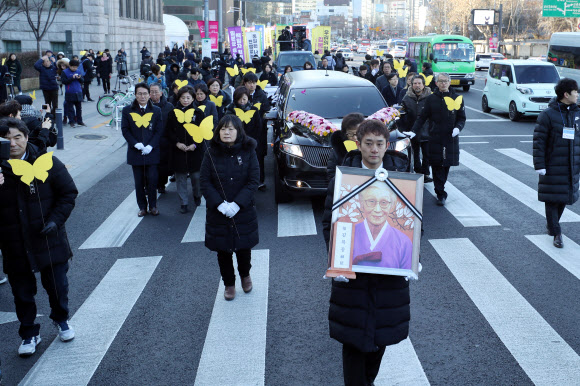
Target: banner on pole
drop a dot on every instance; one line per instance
(206, 47)
(254, 41)
(236, 39)
(213, 32)
(321, 39)
(261, 29)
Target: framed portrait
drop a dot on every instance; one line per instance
(376, 223)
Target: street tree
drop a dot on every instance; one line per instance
(40, 15)
(8, 9)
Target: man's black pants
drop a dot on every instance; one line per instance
(51, 99)
(146, 185)
(440, 174)
(420, 151)
(226, 264)
(553, 214)
(54, 281)
(360, 368)
(74, 112)
(86, 90)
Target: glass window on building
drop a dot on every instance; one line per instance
(12, 46)
(57, 47)
(121, 4)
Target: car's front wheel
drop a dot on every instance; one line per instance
(514, 114)
(484, 105)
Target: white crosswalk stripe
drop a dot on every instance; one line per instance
(401, 366)
(568, 257)
(96, 325)
(467, 212)
(196, 230)
(511, 186)
(237, 330)
(296, 219)
(541, 352)
(518, 155)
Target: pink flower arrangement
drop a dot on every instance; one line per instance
(316, 124)
(386, 115)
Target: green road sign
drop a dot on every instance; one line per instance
(561, 8)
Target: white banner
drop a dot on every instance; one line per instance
(254, 43)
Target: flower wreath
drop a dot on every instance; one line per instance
(323, 127)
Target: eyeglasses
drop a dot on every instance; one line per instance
(372, 204)
(142, 94)
(351, 135)
(443, 81)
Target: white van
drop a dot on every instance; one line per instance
(519, 87)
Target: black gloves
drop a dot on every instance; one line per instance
(49, 229)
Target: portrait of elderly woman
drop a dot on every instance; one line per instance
(376, 242)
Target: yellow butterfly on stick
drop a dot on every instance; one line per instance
(83, 52)
(350, 145)
(29, 172)
(3, 61)
(233, 71)
(181, 83)
(141, 120)
(201, 132)
(262, 83)
(162, 68)
(246, 70)
(428, 79)
(217, 100)
(33, 95)
(245, 116)
(184, 116)
(403, 72)
(380, 53)
(398, 64)
(453, 104)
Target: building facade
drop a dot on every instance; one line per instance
(96, 24)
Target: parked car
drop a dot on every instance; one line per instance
(520, 87)
(302, 156)
(482, 61)
(497, 56)
(372, 51)
(354, 48)
(346, 53)
(399, 52)
(296, 59)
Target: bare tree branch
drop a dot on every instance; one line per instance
(7, 11)
(34, 10)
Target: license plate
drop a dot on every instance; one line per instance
(455, 82)
(543, 107)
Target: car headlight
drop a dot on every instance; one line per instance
(470, 76)
(402, 144)
(291, 149)
(525, 90)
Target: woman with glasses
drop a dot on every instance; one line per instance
(347, 132)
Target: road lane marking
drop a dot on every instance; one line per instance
(472, 143)
(567, 257)
(99, 125)
(467, 212)
(477, 89)
(482, 120)
(401, 366)
(540, 351)
(296, 219)
(9, 317)
(518, 155)
(196, 229)
(495, 136)
(513, 187)
(96, 325)
(238, 328)
(488, 114)
(527, 141)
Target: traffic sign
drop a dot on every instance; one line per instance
(561, 8)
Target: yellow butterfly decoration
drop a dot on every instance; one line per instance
(217, 100)
(398, 64)
(3, 61)
(181, 83)
(201, 132)
(453, 104)
(258, 105)
(201, 107)
(233, 71)
(141, 120)
(403, 72)
(262, 83)
(350, 145)
(246, 70)
(184, 116)
(245, 116)
(380, 53)
(428, 79)
(29, 172)
(33, 95)
(162, 68)
(83, 52)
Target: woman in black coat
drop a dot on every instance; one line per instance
(172, 74)
(252, 122)
(229, 179)
(393, 92)
(269, 75)
(557, 155)
(15, 69)
(186, 155)
(202, 99)
(220, 98)
(347, 132)
(105, 69)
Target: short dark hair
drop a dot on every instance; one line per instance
(266, 65)
(240, 92)
(141, 85)
(325, 58)
(426, 65)
(411, 75)
(73, 63)
(227, 119)
(201, 87)
(10, 108)
(15, 123)
(214, 80)
(194, 70)
(389, 63)
(374, 62)
(288, 67)
(392, 75)
(565, 85)
(351, 120)
(418, 77)
(185, 90)
(250, 77)
(158, 85)
(307, 62)
(174, 85)
(372, 126)
(155, 69)
(363, 67)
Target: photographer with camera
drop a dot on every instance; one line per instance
(33, 236)
(285, 39)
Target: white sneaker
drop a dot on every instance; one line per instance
(65, 331)
(28, 346)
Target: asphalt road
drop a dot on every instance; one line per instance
(491, 307)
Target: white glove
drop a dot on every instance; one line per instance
(223, 207)
(146, 150)
(409, 134)
(233, 209)
(455, 132)
(139, 146)
(541, 172)
(341, 278)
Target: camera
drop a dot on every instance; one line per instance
(299, 32)
(4, 147)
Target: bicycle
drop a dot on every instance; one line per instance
(107, 103)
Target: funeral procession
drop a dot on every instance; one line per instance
(289, 193)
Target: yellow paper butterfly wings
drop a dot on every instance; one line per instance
(245, 116)
(162, 68)
(184, 116)
(181, 83)
(201, 132)
(428, 79)
(350, 145)
(233, 71)
(29, 172)
(142, 120)
(262, 83)
(453, 104)
(217, 100)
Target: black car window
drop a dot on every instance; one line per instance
(295, 60)
(536, 74)
(335, 102)
(506, 70)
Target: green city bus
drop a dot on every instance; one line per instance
(453, 54)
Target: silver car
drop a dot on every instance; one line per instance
(346, 53)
